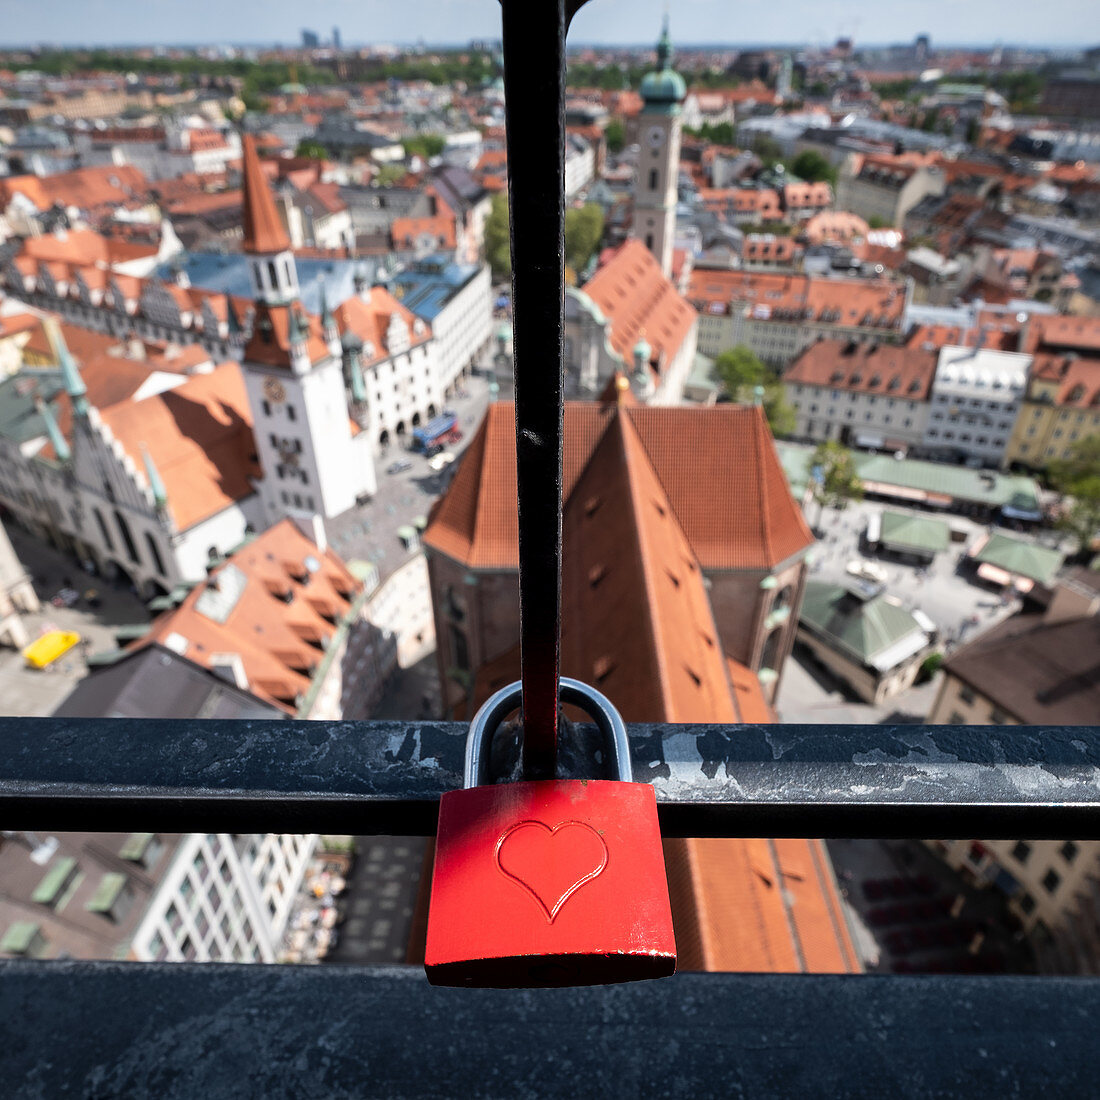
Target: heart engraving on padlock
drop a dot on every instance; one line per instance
(551, 864)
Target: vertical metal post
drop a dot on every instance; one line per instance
(534, 84)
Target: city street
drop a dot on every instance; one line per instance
(369, 532)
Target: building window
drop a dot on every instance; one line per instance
(654, 177)
(266, 405)
(290, 413)
(966, 695)
(154, 553)
(103, 530)
(127, 538)
(1051, 880)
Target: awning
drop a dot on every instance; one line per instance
(869, 439)
(901, 650)
(994, 575)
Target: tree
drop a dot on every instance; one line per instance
(498, 248)
(742, 374)
(583, 230)
(313, 150)
(812, 167)
(424, 146)
(615, 136)
(833, 477)
(389, 174)
(1077, 478)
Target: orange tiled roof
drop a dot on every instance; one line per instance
(634, 295)
(369, 320)
(883, 369)
(835, 225)
(84, 188)
(200, 438)
(1078, 378)
(627, 567)
(766, 906)
(1070, 333)
(734, 514)
(278, 642)
(263, 231)
(852, 302)
(84, 248)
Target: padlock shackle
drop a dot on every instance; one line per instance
(596, 705)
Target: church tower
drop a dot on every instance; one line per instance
(313, 460)
(659, 126)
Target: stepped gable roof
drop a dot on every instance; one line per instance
(1043, 674)
(633, 294)
(757, 906)
(199, 436)
(717, 466)
(243, 609)
(369, 319)
(263, 231)
(886, 369)
(636, 620)
(269, 343)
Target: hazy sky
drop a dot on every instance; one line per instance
(815, 22)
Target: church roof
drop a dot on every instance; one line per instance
(717, 466)
(263, 231)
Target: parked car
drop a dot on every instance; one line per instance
(444, 458)
(868, 571)
(399, 467)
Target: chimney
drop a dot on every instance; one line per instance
(229, 667)
(313, 527)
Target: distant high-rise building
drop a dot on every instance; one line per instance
(784, 81)
(922, 48)
(336, 44)
(310, 40)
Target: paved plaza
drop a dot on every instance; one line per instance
(37, 692)
(961, 610)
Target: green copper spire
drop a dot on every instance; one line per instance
(160, 494)
(664, 46)
(232, 320)
(60, 443)
(328, 321)
(294, 325)
(70, 372)
(358, 386)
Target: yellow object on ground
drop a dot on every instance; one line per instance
(49, 647)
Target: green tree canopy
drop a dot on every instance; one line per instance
(742, 374)
(615, 136)
(1077, 477)
(498, 248)
(314, 150)
(423, 145)
(811, 166)
(834, 480)
(583, 230)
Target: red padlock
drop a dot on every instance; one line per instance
(549, 883)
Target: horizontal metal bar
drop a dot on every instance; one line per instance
(386, 777)
(177, 1030)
